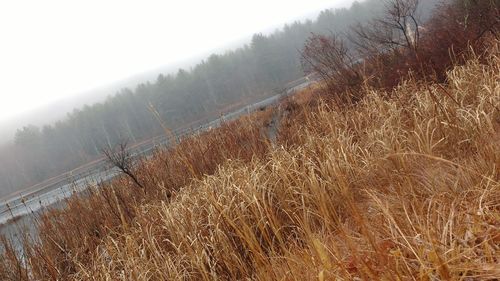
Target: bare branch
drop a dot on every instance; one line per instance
(330, 58)
(398, 28)
(120, 157)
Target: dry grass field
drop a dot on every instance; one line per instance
(402, 185)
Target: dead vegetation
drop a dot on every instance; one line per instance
(392, 188)
(400, 183)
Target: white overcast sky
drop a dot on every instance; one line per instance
(51, 49)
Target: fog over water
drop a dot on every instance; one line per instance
(60, 54)
(119, 72)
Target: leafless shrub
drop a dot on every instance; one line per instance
(120, 157)
(372, 50)
(330, 58)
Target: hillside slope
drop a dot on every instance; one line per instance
(402, 185)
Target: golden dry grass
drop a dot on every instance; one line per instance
(403, 185)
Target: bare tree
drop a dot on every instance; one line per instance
(398, 28)
(330, 58)
(120, 157)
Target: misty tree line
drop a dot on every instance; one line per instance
(253, 71)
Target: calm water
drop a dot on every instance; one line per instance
(19, 215)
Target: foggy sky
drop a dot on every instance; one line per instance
(54, 48)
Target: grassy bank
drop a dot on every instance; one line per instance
(404, 184)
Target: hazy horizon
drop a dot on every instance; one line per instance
(59, 59)
(246, 59)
